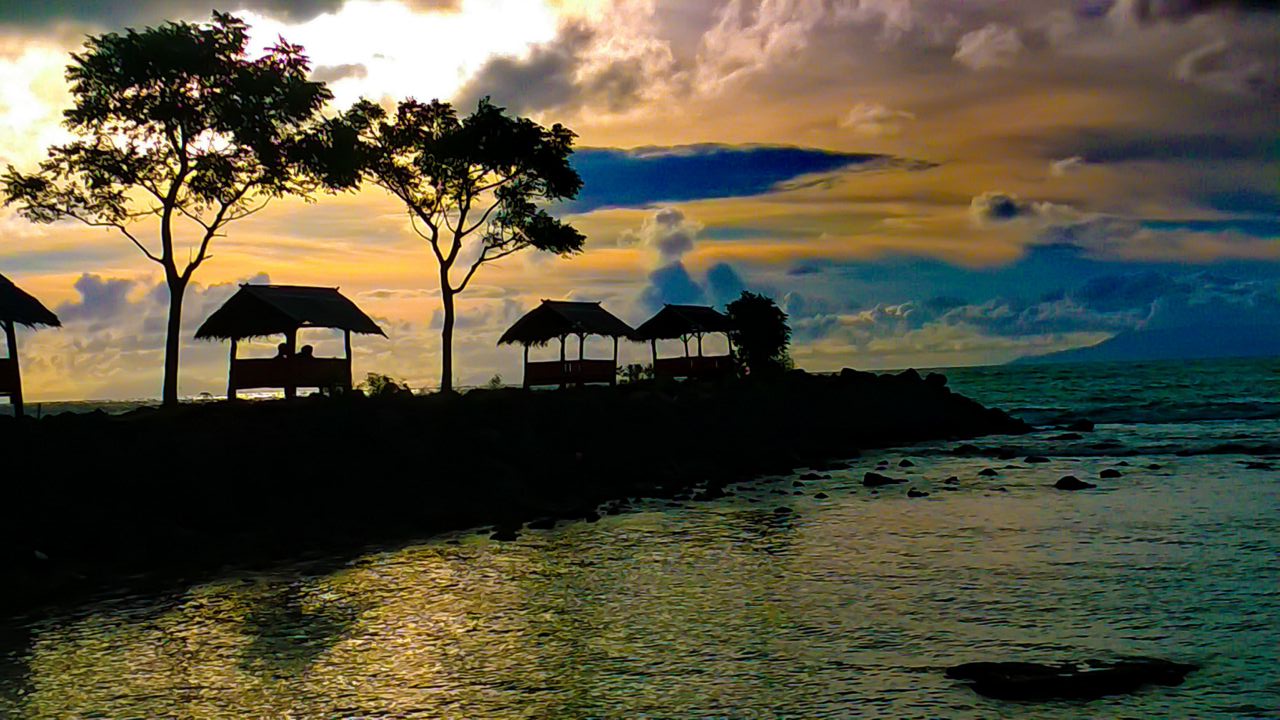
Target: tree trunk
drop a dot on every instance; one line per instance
(446, 335)
(172, 342)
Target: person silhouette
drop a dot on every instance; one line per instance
(282, 350)
(307, 352)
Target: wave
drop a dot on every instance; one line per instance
(1150, 413)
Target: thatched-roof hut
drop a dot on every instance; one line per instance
(18, 308)
(685, 323)
(557, 320)
(257, 311)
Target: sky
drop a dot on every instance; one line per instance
(925, 183)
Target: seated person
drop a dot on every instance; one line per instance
(306, 352)
(282, 350)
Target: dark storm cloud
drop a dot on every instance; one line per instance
(101, 299)
(554, 76)
(1153, 10)
(114, 14)
(672, 284)
(645, 176)
(1120, 146)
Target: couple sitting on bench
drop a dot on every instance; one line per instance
(306, 352)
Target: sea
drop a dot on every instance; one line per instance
(851, 605)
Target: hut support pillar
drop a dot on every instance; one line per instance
(346, 341)
(685, 339)
(614, 380)
(562, 337)
(231, 371)
(526, 367)
(699, 336)
(291, 347)
(653, 348)
(582, 350)
(11, 338)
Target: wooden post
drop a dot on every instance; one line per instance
(291, 348)
(562, 348)
(699, 336)
(231, 371)
(653, 347)
(582, 351)
(562, 337)
(11, 338)
(526, 367)
(613, 380)
(685, 339)
(346, 341)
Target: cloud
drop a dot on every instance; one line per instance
(1066, 166)
(667, 231)
(334, 73)
(115, 14)
(101, 300)
(993, 46)
(998, 207)
(672, 284)
(1144, 11)
(645, 176)
(875, 120)
(1223, 67)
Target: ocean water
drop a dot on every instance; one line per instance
(852, 605)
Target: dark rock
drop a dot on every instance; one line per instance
(905, 463)
(935, 379)
(1123, 463)
(909, 375)
(1068, 436)
(1256, 465)
(504, 534)
(950, 488)
(821, 496)
(1078, 681)
(914, 493)
(1109, 473)
(877, 480)
(1006, 454)
(988, 472)
(1154, 466)
(814, 476)
(542, 524)
(1081, 425)
(782, 510)
(965, 449)
(953, 480)
(1071, 482)
(797, 483)
(798, 492)
(1036, 459)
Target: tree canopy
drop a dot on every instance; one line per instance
(175, 126)
(475, 188)
(760, 334)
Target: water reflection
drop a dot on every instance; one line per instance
(847, 605)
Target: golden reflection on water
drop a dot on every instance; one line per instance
(719, 609)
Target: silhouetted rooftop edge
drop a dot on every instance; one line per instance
(674, 321)
(262, 310)
(20, 307)
(558, 318)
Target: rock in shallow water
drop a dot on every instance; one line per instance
(872, 479)
(914, 493)
(1071, 482)
(1109, 473)
(1083, 681)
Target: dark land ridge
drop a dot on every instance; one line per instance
(96, 501)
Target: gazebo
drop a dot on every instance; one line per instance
(685, 323)
(257, 311)
(18, 308)
(558, 319)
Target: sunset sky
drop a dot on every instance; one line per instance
(920, 183)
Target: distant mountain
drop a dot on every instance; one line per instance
(1187, 342)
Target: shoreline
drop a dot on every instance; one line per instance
(166, 498)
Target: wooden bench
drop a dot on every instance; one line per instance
(291, 372)
(694, 367)
(570, 372)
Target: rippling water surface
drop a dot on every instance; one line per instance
(848, 605)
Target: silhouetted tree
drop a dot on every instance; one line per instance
(760, 335)
(178, 133)
(470, 185)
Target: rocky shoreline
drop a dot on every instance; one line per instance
(169, 497)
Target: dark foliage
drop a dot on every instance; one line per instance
(760, 335)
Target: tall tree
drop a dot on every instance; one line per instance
(472, 186)
(760, 334)
(178, 133)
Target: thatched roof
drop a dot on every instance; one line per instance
(19, 307)
(558, 318)
(261, 310)
(674, 321)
